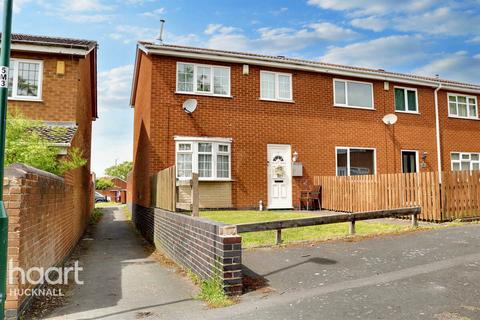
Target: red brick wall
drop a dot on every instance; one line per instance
(66, 97)
(312, 126)
(142, 155)
(59, 92)
(43, 223)
(119, 183)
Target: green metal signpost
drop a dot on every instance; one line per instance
(4, 66)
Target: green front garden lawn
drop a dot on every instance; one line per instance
(321, 232)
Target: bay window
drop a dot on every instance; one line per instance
(25, 79)
(353, 94)
(203, 79)
(462, 161)
(209, 157)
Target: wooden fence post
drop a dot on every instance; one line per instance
(278, 236)
(351, 229)
(414, 220)
(195, 195)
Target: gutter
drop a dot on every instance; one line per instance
(437, 134)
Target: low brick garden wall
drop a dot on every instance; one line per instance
(202, 246)
(43, 228)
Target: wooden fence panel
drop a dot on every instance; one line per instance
(164, 190)
(458, 196)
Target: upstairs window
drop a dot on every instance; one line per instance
(461, 106)
(275, 86)
(25, 79)
(462, 161)
(353, 94)
(406, 100)
(210, 158)
(203, 79)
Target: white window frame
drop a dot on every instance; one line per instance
(405, 89)
(15, 61)
(277, 86)
(460, 159)
(211, 92)
(194, 141)
(348, 158)
(346, 105)
(223, 153)
(417, 159)
(468, 106)
(178, 151)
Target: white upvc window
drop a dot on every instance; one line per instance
(210, 157)
(462, 106)
(353, 94)
(275, 86)
(406, 100)
(203, 79)
(462, 161)
(184, 159)
(353, 161)
(25, 79)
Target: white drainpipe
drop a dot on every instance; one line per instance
(437, 129)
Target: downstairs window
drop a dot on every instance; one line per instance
(210, 158)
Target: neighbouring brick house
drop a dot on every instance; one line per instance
(117, 193)
(265, 125)
(54, 80)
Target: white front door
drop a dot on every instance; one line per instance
(279, 176)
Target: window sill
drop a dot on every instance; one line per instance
(464, 118)
(25, 99)
(208, 180)
(277, 100)
(203, 94)
(353, 107)
(407, 112)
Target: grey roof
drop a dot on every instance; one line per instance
(283, 59)
(58, 132)
(53, 41)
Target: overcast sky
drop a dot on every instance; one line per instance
(419, 36)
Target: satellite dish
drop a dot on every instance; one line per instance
(190, 105)
(390, 119)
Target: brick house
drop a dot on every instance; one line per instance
(54, 80)
(117, 193)
(265, 125)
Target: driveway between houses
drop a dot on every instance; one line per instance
(122, 281)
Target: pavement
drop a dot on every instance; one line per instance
(123, 281)
(431, 274)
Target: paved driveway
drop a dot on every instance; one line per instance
(422, 275)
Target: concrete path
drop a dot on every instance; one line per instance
(122, 281)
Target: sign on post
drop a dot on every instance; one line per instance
(3, 77)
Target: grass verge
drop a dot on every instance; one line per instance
(105, 204)
(321, 232)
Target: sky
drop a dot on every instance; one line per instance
(426, 37)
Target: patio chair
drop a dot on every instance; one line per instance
(311, 200)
